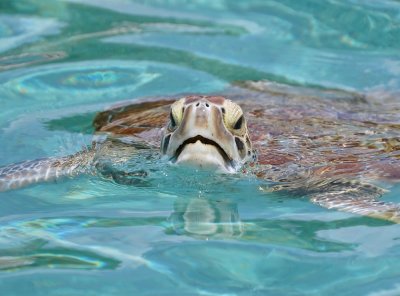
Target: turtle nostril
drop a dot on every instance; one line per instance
(202, 104)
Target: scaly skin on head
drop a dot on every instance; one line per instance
(207, 131)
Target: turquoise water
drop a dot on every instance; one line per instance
(61, 61)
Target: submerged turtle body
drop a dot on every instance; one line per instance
(331, 146)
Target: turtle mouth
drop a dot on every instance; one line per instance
(228, 161)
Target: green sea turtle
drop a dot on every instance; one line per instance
(332, 146)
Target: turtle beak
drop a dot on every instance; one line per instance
(202, 139)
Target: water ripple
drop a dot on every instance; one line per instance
(16, 30)
(119, 79)
(28, 59)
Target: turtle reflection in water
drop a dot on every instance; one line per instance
(330, 146)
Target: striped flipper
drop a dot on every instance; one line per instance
(357, 198)
(25, 173)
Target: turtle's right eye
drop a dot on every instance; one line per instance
(176, 113)
(172, 120)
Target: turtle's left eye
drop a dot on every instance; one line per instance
(239, 123)
(234, 118)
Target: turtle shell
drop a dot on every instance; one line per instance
(298, 132)
(142, 120)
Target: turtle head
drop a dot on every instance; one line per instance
(207, 131)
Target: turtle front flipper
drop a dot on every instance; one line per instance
(25, 173)
(357, 198)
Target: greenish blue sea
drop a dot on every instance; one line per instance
(61, 61)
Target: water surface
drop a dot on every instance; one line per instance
(62, 61)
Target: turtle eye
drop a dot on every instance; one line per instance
(176, 113)
(172, 120)
(233, 117)
(239, 123)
